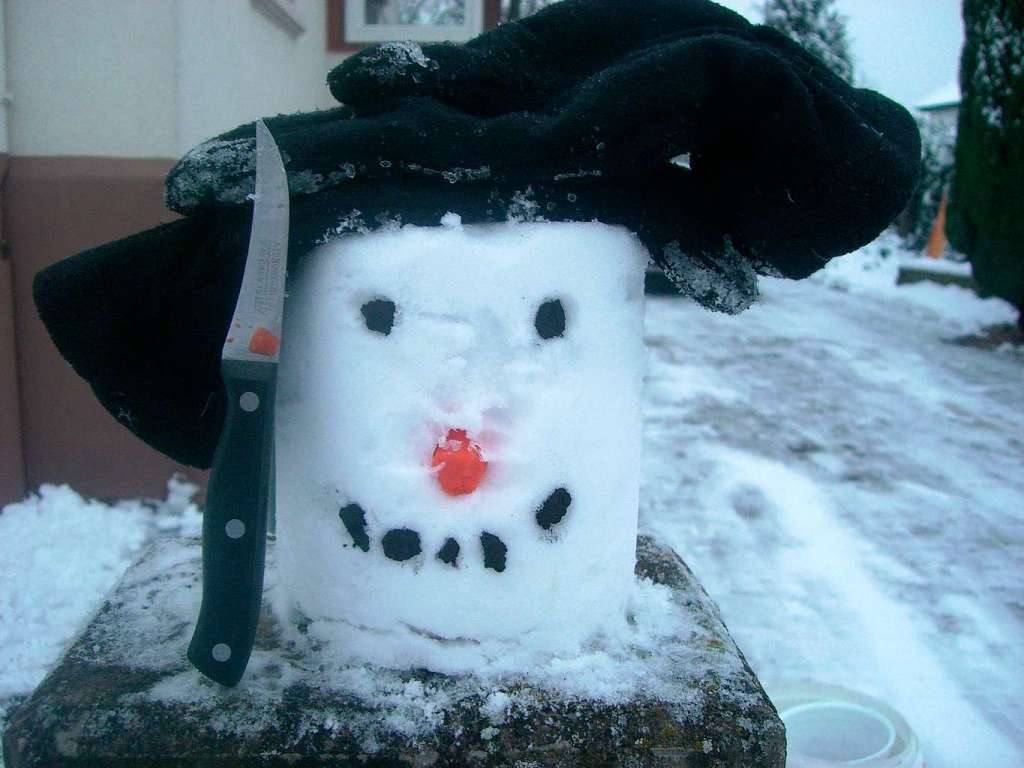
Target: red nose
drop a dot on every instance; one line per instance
(461, 465)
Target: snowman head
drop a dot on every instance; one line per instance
(459, 430)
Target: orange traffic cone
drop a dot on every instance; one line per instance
(937, 240)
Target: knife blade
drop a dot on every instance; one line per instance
(241, 483)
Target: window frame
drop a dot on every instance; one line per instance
(283, 13)
(342, 37)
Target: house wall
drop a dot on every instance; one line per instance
(945, 117)
(259, 69)
(105, 95)
(12, 462)
(4, 131)
(122, 78)
(55, 207)
(92, 77)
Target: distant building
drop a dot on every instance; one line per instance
(97, 101)
(942, 106)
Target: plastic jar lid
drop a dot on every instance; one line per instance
(828, 726)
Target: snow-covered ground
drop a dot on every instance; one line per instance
(849, 485)
(59, 555)
(846, 481)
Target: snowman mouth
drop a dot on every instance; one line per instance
(402, 544)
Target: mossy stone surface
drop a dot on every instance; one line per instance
(124, 695)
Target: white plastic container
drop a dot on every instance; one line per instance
(828, 726)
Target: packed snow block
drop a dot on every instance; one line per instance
(458, 439)
(124, 694)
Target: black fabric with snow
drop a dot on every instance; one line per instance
(572, 114)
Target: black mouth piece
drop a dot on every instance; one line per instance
(449, 553)
(403, 544)
(354, 519)
(554, 508)
(494, 551)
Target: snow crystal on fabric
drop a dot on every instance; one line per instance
(224, 169)
(580, 174)
(225, 172)
(523, 207)
(349, 222)
(394, 60)
(453, 175)
(731, 288)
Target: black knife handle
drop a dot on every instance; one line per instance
(235, 525)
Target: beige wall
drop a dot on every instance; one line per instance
(152, 78)
(946, 117)
(259, 69)
(12, 460)
(55, 207)
(91, 77)
(4, 143)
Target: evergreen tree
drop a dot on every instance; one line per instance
(986, 217)
(817, 26)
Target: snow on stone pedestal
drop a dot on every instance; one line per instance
(458, 452)
(677, 691)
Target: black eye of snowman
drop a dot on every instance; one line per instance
(379, 315)
(550, 319)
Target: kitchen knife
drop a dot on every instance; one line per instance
(242, 483)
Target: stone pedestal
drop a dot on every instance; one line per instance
(124, 695)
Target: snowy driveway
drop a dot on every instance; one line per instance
(849, 485)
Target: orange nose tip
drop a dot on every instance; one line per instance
(460, 465)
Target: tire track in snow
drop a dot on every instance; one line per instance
(952, 731)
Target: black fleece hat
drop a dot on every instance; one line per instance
(573, 114)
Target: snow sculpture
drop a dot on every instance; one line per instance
(459, 431)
